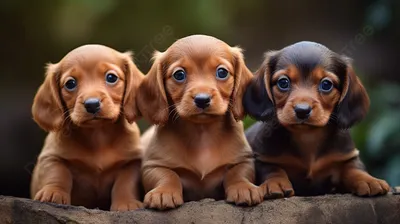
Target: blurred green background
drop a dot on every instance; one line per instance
(36, 32)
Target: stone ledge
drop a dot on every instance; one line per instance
(322, 209)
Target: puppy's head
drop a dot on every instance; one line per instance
(91, 85)
(197, 78)
(305, 85)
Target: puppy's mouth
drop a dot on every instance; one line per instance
(95, 121)
(302, 124)
(302, 116)
(202, 118)
(203, 115)
(98, 119)
(201, 109)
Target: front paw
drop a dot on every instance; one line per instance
(126, 205)
(163, 198)
(369, 186)
(54, 195)
(277, 187)
(244, 193)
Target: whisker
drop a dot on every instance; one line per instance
(173, 112)
(173, 109)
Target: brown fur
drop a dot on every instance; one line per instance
(314, 155)
(89, 160)
(194, 153)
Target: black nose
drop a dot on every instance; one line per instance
(202, 100)
(302, 110)
(92, 105)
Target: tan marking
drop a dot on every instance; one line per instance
(315, 168)
(291, 72)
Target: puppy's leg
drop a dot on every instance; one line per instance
(125, 192)
(52, 181)
(239, 187)
(163, 187)
(275, 182)
(357, 181)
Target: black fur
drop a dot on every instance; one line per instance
(256, 102)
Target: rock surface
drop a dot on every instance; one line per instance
(322, 209)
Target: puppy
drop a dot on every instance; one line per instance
(308, 97)
(91, 157)
(198, 149)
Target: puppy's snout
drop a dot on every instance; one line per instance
(92, 105)
(202, 100)
(302, 110)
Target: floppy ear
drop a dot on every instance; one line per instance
(354, 102)
(133, 79)
(152, 100)
(47, 109)
(257, 100)
(242, 78)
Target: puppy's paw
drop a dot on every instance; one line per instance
(163, 198)
(126, 205)
(277, 187)
(369, 186)
(244, 193)
(54, 195)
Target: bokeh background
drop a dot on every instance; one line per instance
(36, 32)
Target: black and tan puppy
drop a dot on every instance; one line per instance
(308, 97)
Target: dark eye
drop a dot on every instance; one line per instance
(111, 78)
(222, 73)
(326, 85)
(70, 85)
(179, 75)
(283, 83)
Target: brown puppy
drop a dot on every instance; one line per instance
(308, 97)
(91, 157)
(198, 150)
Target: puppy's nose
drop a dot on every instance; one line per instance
(202, 100)
(302, 110)
(92, 105)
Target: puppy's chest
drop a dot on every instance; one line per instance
(303, 159)
(206, 157)
(308, 143)
(98, 161)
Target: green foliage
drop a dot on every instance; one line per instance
(248, 121)
(382, 138)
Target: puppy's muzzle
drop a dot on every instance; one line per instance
(303, 111)
(92, 105)
(202, 100)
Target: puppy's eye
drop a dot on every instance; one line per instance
(222, 73)
(111, 78)
(326, 85)
(283, 83)
(71, 84)
(179, 75)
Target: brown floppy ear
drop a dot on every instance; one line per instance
(354, 102)
(257, 100)
(152, 100)
(47, 109)
(242, 78)
(133, 78)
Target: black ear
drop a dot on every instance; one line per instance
(257, 100)
(354, 103)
